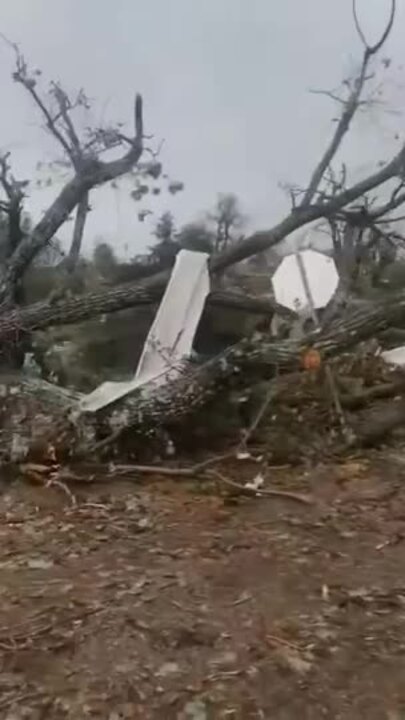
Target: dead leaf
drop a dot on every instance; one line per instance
(293, 660)
(169, 668)
(39, 564)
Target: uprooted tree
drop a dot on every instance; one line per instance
(357, 216)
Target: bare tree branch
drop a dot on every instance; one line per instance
(373, 49)
(365, 217)
(397, 199)
(22, 77)
(350, 107)
(328, 93)
(399, 218)
(342, 127)
(92, 173)
(64, 104)
(138, 117)
(300, 217)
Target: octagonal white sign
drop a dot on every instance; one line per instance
(289, 284)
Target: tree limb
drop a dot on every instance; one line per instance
(22, 77)
(350, 107)
(15, 323)
(397, 199)
(91, 174)
(76, 152)
(260, 241)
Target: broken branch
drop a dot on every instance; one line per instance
(350, 107)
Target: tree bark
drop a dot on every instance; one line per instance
(145, 410)
(16, 323)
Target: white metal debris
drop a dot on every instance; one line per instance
(171, 336)
(396, 356)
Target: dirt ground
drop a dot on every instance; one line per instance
(176, 599)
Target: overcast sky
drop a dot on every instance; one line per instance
(225, 84)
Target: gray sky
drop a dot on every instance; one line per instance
(225, 83)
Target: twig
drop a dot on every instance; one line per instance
(154, 470)
(328, 93)
(373, 49)
(274, 639)
(64, 107)
(298, 497)
(213, 460)
(21, 77)
(258, 417)
(199, 470)
(164, 470)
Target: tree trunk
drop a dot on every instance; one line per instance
(93, 174)
(15, 323)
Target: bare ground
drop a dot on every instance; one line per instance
(178, 600)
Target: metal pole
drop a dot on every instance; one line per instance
(328, 370)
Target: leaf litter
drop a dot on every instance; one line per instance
(159, 602)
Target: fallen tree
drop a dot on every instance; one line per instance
(51, 413)
(15, 323)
